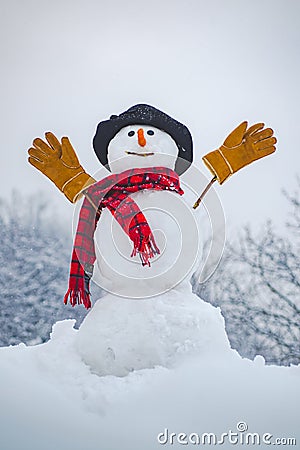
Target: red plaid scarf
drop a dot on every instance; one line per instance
(113, 193)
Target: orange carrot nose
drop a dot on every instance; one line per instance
(141, 137)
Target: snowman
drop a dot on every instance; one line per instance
(139, 238)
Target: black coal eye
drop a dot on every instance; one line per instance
(150, 132)
(131, 133)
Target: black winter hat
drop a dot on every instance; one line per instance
(142, 114)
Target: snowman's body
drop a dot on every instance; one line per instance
(119, 273)
(120, 334)
(149, 315)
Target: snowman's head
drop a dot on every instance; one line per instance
(143, 136)
(141, 146)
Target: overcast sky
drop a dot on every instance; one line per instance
(66, 65)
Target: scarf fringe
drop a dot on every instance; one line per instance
(146, 248)
(77, 297)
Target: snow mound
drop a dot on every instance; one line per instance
(51, 398)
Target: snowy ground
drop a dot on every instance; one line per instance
(52, 399)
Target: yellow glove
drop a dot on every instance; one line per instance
(58, 161)
(240, 148)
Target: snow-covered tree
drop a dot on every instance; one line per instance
(34, 264)
(257, 286)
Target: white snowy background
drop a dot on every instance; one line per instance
(66, 65)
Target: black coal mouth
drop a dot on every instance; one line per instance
(139, 154)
